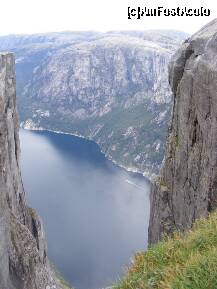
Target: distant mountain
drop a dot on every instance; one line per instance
(110, 87)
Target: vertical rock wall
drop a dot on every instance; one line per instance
(187, 186)
(23, 252)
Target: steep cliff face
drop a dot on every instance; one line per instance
(109, 87)
(23, 252)
(187, 186)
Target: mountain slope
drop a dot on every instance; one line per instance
(186, 188)
(110, 87)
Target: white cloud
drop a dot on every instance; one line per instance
(32, 16)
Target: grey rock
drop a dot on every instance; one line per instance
(187, 186)
(23, 251)
(110, 87)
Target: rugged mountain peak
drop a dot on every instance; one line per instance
(23, 252)
(187, 186)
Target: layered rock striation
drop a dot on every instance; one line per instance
(187, 186)
(23, 252)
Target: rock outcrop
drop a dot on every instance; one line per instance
(187, 186)
(23, 253)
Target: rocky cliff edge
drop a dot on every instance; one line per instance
(23, 252)
(187, 186)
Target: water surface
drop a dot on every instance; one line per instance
(95, 214)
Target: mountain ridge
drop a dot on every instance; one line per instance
(111, 88)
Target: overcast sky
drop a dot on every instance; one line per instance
(33, 16)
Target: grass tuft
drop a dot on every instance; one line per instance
(184, 261)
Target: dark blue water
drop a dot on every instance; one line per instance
(95, 214)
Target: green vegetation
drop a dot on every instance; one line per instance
(163, 186)
(31, 212)
(184, 261)
(62, 282)
(177, 140)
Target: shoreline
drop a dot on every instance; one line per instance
(128, 169)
